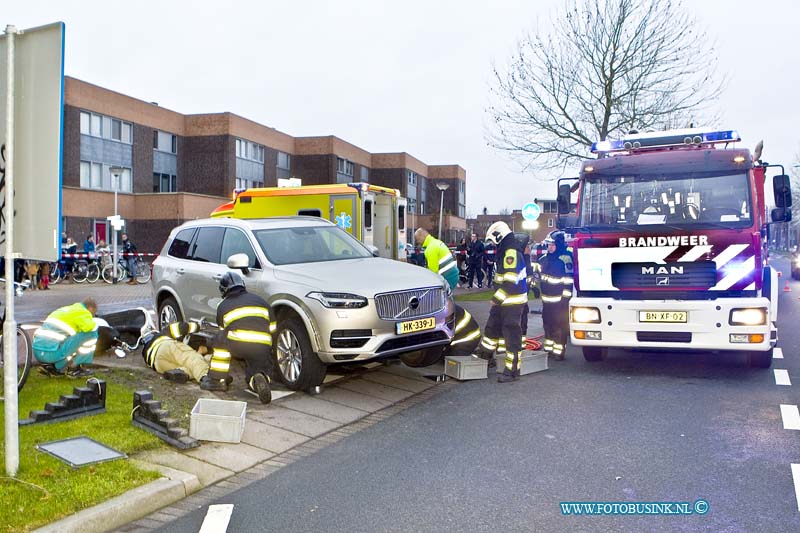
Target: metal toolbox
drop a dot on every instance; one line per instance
(464, 368)
(531, 362)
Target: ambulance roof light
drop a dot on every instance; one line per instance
(685, 137)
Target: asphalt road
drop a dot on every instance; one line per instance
(641, 427)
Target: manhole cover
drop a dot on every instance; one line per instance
(80, 451)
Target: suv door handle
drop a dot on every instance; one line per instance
(216, 277)
(180, 271)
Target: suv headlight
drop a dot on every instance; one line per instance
(585, 315)
(338, 300)
(748, 317)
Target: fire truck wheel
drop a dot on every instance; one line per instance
(594, 353)
(760, 359)
(420, 358)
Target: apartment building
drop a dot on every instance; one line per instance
(177, 167)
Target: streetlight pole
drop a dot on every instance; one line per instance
(116, 172)
(442, 186)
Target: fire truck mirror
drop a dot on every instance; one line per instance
(783, 191)
(566, 222)
(779, 214)
(563, 199)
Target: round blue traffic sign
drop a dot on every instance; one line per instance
(531, 211)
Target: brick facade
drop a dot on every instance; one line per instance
(206, 165)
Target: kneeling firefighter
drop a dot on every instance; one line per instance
(245, 333)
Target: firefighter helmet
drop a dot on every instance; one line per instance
(497, 232)
(557, 237)
(230, 281)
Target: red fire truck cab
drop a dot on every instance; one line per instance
(670, 246)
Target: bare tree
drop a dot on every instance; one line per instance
(603, 67)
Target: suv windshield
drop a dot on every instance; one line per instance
(289, 246)
(670, 199)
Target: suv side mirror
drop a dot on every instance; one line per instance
(239, 262)
(781, 187)
(780, 214)
(563, 199)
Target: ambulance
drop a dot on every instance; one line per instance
(374, 215)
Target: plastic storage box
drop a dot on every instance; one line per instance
(531, 362)
(463, 368)
(217, 420)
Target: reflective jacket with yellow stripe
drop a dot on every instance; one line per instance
(511, 275)
(245, 317)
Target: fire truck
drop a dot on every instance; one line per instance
(670, 248)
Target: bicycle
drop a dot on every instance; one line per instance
(142, 271)
(24, 348)
(80, 271)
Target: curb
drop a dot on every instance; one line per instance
(122, 509)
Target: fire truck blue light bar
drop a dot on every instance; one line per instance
(686, 137)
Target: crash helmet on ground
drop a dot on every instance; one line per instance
(230, 281)
(497, 232)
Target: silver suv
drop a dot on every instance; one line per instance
(333, 300)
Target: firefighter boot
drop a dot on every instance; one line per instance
(214, 385)
(178, 375)
(259, 384)
(485, 354)
(511, 371)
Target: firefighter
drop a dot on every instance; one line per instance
(511, 295)
(438, 256)
(466, 334)
(165, 353)
(556, 287)
(67, 340)
(245, 333)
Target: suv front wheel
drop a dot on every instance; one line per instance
(297, 364)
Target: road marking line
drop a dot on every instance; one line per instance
(777, 353)
(781, 376)
(791, 416)
(796, 479)
(217, 518)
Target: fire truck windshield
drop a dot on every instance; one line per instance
(609, 202)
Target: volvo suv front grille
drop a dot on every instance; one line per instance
(410, 304)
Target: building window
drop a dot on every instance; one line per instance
(284, 161)
(242, 184)
(106, 127)
(165, 182)
(412, 206)
(365, 174)
(249, 150)
(343, 166)
(550, 223)
(165, 142)
(98, 176)
(412, 178)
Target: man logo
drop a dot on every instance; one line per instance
(662, 270)
(662, 280)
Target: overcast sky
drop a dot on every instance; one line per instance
(391, 76)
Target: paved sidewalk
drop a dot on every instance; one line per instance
(295, 425)
(275, 435)
(34, 306)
